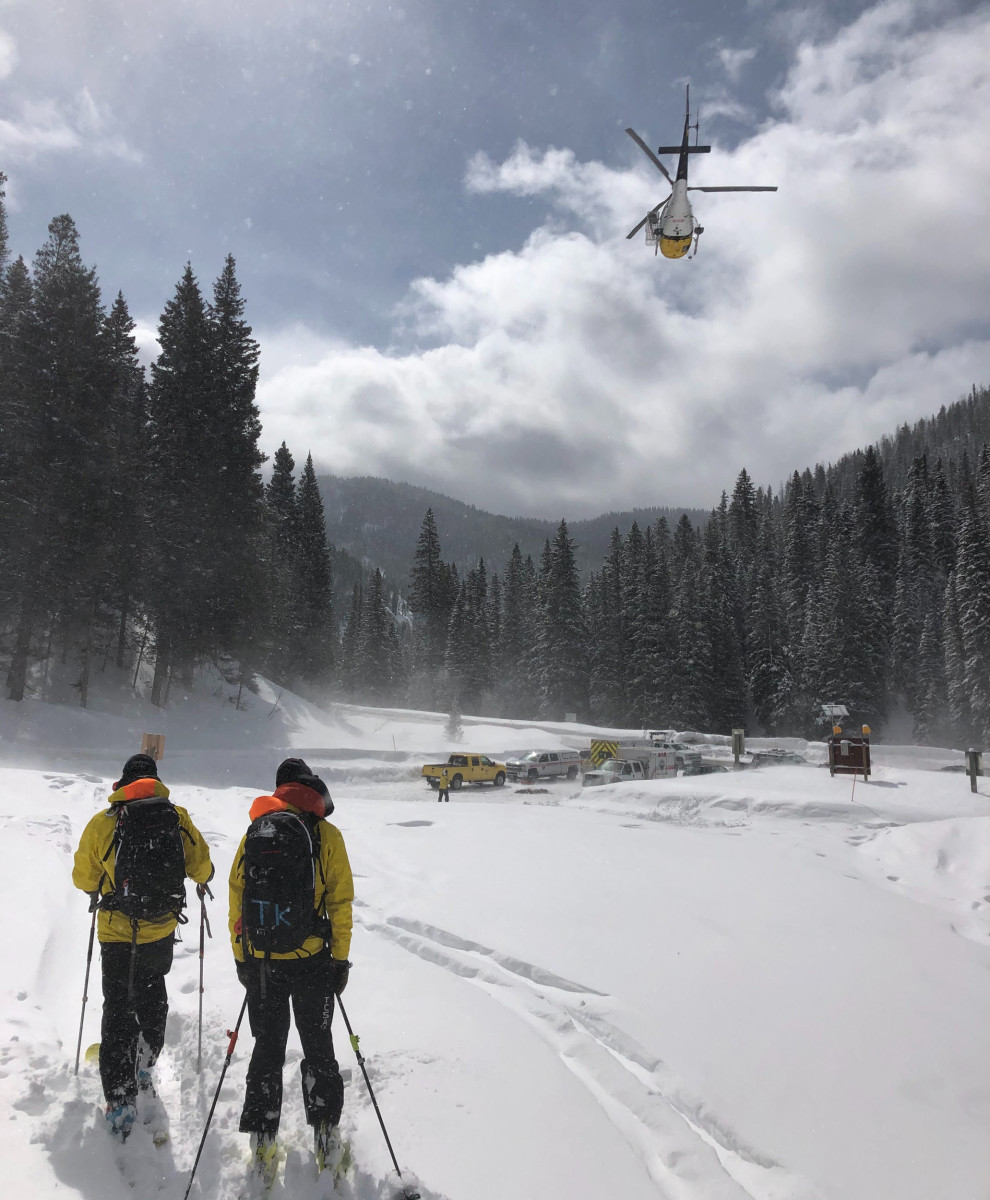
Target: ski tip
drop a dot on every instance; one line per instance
(92, 1054)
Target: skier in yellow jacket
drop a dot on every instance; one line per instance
(135, 956)
(310, 975)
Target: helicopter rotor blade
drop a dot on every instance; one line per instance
(732, 189)
(632, 232)
(650, 155)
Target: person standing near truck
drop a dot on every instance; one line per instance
(444, 786)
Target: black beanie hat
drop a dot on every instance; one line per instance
(295, 770)
(138, 766)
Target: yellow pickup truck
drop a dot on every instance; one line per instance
(466, 768)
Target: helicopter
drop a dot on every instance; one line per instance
(671, 225)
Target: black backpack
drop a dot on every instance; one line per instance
(149, 871)
(281, 858)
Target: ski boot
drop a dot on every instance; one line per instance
(120, 1115)
(332, 1153)
(264, 1158)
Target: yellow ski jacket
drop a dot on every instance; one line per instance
(334, 883)
(94, 862)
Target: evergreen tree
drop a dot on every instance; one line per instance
(960, 713)
(876, 529)
(429, 594)
(770, 680)
(206, 496)
(69, 495)
(379, 646)
(973, 598)
(282, 536)
(561, 634)
(125, 530)
(744, 520)
(22, 515)
(182, 448)
(314, 628)
(351, 645)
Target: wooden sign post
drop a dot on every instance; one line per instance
(153, 744)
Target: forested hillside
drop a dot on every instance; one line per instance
(378, 521)
(139, 539)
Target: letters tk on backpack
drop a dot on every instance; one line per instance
(278, 907)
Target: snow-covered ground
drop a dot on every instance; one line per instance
(759, 984)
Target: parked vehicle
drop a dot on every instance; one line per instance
(769, 758)
(633, 762)
(615, 770)
(466, 768)
(685, 755)
(544, 764)
(703, 768)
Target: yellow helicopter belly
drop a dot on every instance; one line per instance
(675, 247)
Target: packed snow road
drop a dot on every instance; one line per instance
(726, 987)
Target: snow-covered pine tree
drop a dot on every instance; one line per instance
(973, 598)
(770, 679)
(960, 713)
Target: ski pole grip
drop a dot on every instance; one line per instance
(354, 1045)
(232, 1034)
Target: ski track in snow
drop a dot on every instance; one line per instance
(687, 1151)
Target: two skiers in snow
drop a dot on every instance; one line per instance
(291, 894)
(133, 859)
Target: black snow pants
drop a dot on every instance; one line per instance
(307, 983)
(132, 1025)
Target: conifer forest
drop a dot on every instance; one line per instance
(138, 534)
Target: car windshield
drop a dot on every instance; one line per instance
(532, 756)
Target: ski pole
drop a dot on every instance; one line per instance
(204, 923)
(371, 1092)
(94, 905)
(232, 1034)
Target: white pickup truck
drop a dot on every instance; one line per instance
(615, 770)
(544, 764)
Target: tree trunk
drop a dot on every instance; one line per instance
(161, 670)
(17, 673)
(122, 631)
(87, 654)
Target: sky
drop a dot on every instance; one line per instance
(428, 205)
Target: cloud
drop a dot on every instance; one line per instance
(735, 60)
(578, 374)
(46, 127)
(8, 55)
